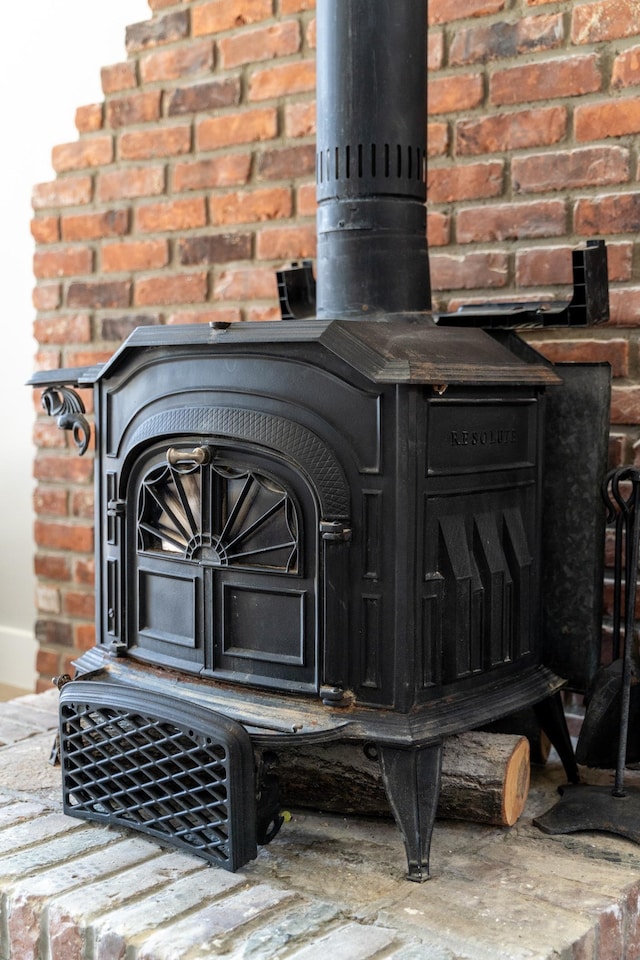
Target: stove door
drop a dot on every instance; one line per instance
(225, 566)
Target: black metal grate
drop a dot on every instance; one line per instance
(174, 770)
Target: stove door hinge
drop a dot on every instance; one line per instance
(116, 508)
(335, 530)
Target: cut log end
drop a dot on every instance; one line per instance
(517, 779)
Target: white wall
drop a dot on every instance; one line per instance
(51, 53)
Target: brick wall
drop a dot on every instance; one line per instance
(192, 181)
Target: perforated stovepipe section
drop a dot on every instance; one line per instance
(179, 772)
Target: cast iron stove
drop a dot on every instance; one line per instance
(321, 529)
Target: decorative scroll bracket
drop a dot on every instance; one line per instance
(65, 404)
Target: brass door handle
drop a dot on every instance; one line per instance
(197, 456)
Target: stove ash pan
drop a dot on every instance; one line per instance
(299, 533)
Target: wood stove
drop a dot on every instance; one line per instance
(321, 529)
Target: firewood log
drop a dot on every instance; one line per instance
(485, 778)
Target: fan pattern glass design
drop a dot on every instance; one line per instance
(219, 515)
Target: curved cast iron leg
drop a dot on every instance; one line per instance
(411, 778)
(550, 714)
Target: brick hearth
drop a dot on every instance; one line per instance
(327, 886)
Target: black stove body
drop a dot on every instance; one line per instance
(322, 529)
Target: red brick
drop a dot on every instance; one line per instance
(609, 118)
(75, 604)
(177, 288)
(156, 142)
(499, 41)
(47, 296)
(312, 31)
(89, 358)
(84, 636)
(74, 328)
(446, 11)
(465, 182)
(46, 229)
(306, 203)
(178, 63)
(511, 221)
(620, 261)
(53, 633)
(157, 31)
(47, 435)
(99, 295)
(214, 248)
(435, 50)
(235, 128)
(229, 170)
(286, 163)
(548, 80)
(512, 131)
(207, 315)
(52, 567)
(48, 501)
(568, 169)
(438, 229)
(300, 119)
(632, 931)
(135, 255)
(296, 6)
(437, 139)
(251, 46)
(604, 20)
(118, 77)
(253, 283)
(614, 352)
(90, 152)
(219, 15)
(285, 79)
(64, 262)
(286, 243)
(66, 192)
(82, 503)
(251, 206)
(612, 213)
(84, 571)
(93, 226)
(171, 215)
(47, 662)
(137, 108)
(624, 303)
(201, 97)
(626, 69)
(89, 119)
(60, 536)
(455, 94)
(260, 314)
(468, 272)
(544, 266)
(130, 183)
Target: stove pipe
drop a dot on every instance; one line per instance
(370, 164)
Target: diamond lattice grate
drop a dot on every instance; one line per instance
(152, 774)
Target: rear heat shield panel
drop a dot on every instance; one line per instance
(169, 768)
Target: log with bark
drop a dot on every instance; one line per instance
(485, 778)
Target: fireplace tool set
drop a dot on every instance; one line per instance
(350, 525)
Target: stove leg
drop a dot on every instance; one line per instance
(550, 715)
(411, 778)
